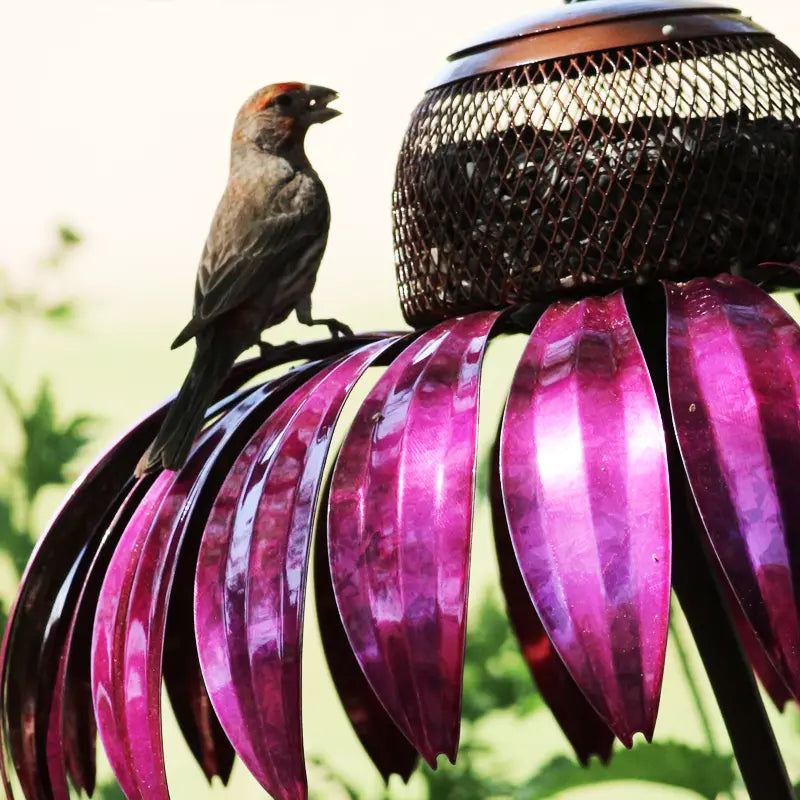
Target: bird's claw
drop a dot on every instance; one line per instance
(338, 329)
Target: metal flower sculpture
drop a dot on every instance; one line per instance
(650, 441)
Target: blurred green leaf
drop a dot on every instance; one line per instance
(60, 312)
(332, 777)
(462, 780)
(17, 543)
(48, 446)
(69, 237)
(496, 676)
(109, 791)
(669, 764)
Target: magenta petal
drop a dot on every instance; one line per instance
(230, 589)
(139, 644)
(109, 688)
(389, 750)
(276, 512)
(220, 612)
(584, 478)
(43, 610)
(585, 730)
(399, 527)
(734, 376)
(770, 679)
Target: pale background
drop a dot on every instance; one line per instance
(115, 119)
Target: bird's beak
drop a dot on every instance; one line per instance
(318, 110)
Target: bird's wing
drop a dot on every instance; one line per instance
(225, 281)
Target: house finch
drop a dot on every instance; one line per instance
(261, 257)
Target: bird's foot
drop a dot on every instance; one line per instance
(335, 327)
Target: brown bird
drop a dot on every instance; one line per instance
(261, 256)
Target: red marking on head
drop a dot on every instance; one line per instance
(263, 97)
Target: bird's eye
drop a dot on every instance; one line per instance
(282, 101)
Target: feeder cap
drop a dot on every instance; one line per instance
(586, 27)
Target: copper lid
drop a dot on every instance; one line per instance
(590, 26)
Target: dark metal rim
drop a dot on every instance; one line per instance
(604, 35)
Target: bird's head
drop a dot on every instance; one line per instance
(275, 119)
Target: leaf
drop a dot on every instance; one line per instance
(462, 781)
(109, 791)
(667, 763)
(69, 237)
(63, 311)
(49, 446)
(17, 543)
(495, 674)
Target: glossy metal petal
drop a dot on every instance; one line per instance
(734, 380)
(584, 478)
(399, 529)
(585, 730)
(72, 712)
(109, 689)
(389, 750)
(126, 657)
(251, 577)
(770, 678)
(140, 630)
(48, 593)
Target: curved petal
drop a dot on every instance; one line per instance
(584, 478)
(128, 642)
(108, 679)
(222, 596)
(770, 678)
(48, 591)
(399, 529)
(72, 712)
(276, 512)
(734, 382)
(389, 750)
(585, 730)
(139, 641)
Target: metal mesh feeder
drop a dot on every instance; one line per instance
(596, 146)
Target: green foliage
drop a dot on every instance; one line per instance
(464, 780)
(109, 791)
(48, 446)
(496, 679)
(496, 676)
(666, 763)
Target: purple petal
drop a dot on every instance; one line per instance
(734, 374)
(186, 688)
(221, 597)
(584, 478)
(48, 591)
(389, 750)
(73, 681)
(585, 730)
(275, 514)
(144, 570)
(399, 522)
(139, 643)
(770, 679)
(109, 688)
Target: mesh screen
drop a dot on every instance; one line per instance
(669, 160)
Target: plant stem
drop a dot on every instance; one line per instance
(691, 682)
(688, 674)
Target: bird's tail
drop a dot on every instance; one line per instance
(170, 449)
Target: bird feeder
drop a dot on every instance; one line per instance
(598, 145)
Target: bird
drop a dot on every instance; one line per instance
(260, 259)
